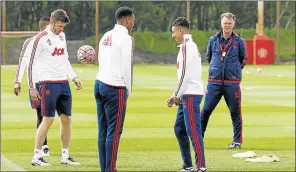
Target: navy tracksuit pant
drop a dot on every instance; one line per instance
(232, 96)
(111, 108)
(187, 126)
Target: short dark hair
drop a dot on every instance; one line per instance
(60, 15)
(181, 22)
(45, 18)
(123, 12)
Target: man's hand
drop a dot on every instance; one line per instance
(17, 88)
(170, 101)
(77, 83)
(177, 101)
(243, 63)
(34, 94)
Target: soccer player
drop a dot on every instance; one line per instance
(50, 57)
(226, 53)
(23, 62)
(113, 85)
(188, 97)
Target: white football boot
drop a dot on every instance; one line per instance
(40, 162)
(69, 160)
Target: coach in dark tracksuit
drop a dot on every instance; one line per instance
(226, 53)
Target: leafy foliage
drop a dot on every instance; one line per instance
(150, 16)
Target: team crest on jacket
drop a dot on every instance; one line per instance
(235, 44)
(49, 42)
(61, 38)
(47, 92)
(177, 65)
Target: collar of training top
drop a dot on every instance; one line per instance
(222, 38)
(186, 37)
(48, 30)
(120, 27)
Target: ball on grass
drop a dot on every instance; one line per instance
(259, 70)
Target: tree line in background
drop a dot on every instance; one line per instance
(152, 16)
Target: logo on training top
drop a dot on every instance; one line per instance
(177, 65)
(262, 53)
(108, 41)
(61, 38)
(49, 42)
(58, 51)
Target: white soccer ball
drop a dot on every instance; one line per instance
(259, 70)
(86, 54)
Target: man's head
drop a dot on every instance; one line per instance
(227, 22)
(180, 27)
(125, 16)
(58, 20)
(43, 22)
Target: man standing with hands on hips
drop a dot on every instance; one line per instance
(226, 53)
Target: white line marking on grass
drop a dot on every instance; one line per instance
(10, 165)
(275, 102)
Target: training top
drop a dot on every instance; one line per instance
(189, 69)
(50, 56)
(115, 58)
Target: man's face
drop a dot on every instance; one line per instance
(177, 34)
(130, 22)
(58, 27)
(42, 25)
(227, 25)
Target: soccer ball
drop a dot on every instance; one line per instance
(259, 70)
(86, 54)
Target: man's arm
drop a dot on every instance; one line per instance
(23, 61)
(188, 52)
(69, 69)
(33, 54)
(209, 50)
(127, 49)
(72, 75)
(242, 52)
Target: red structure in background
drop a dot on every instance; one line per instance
(260, 50)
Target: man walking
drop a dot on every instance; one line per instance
(188, 97)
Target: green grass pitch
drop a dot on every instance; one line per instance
(148, 142)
